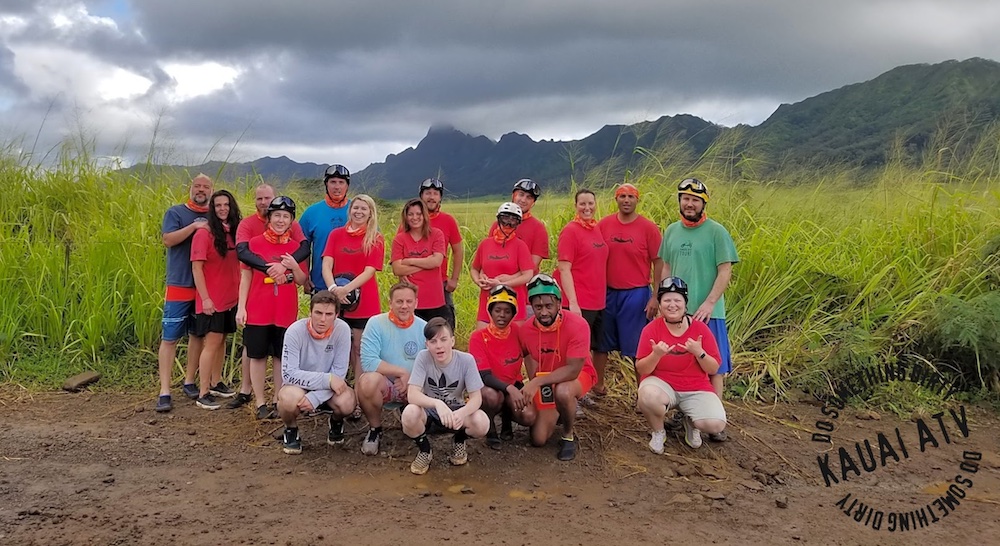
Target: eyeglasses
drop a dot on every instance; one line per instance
(692, 184)
(541, 279)
(431, 183)
(528, 185)
(339, 171)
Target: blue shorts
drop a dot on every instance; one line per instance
(624, 319)
(178, 319)
(718, 328)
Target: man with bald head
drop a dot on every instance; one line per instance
(633, 264)
(179, 225)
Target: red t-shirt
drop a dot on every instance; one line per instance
(492, 260)
(269, 303)
(532, 231)
(255, 225)
(449, 227)
(632, 247)
(587, 253)
(222, 275)
(430, 291)
(551, 349)
(502, 357)
(348, 256)
(679, 368)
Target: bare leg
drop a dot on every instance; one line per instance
(165, 360)
(213, 343)
(195, 345)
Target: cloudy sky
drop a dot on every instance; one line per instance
(349, 82)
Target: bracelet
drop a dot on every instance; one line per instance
(702, 355)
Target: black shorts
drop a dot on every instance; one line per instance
(596, 321)
(220, 322)
(263, 341)
(433, 425)
(356, 323)
(427, 314)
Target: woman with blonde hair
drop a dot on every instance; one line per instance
(355, 252)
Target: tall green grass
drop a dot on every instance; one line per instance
(832, 272)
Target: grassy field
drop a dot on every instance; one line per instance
(833, 275)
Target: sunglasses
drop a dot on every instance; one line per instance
(541, 279)
(432, 183)
(338, 171)
(692, 184)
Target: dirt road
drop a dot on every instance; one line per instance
(103, 469)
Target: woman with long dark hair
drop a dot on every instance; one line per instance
(216, 279)
(417, 253)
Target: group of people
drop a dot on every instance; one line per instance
(541, 343)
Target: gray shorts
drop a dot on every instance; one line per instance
(697, 405)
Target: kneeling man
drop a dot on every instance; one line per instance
(314, 361)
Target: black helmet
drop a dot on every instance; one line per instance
(672, 284)
(337, 171)
(281, 203)
(431, 184)
(353, 297)
(527, 185)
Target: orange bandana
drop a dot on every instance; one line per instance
(336, 204)
(356, 232)
(627, 189)
(399, 323)
(435, 214)
(499, 333)
(555, 325)
(689, 224)
(324, 335)
(500, 237)
(275, 238)
(587, 224)
(525, 216)
(196, 208)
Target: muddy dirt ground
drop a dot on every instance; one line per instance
(105, 469)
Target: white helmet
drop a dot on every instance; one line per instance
(510, 208)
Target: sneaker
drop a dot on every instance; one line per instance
(718, 436)
(421, 463)
(459, 454)
(266, 411)
(588, 400)
(291, 443)
(370, 445)
(676, 423)
(191, 391)
(579, 409)
(507, 432)
(222, 391)
(208, 402)
(656, 442)
(692, 436)
(336, 435)
(493, 441)
(164, 404)
(239, 401)
(357, 414)
(567, 449)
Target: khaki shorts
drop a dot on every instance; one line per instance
(697, 405)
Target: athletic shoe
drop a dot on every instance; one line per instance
(493, 441)
(208, 402)
(587, 401)
(506, 429)
(291, 443)
(676, 423)
(579, 410)
(567, 449)
(718, 436)
(239, 401)
(656, 442)
(692, 436)
(421, 463)
(459, 454)
(191, 391)
(266, 411)
(370, 445)
(336, 435)
(222, 391)
(357, 414)
(164, 404)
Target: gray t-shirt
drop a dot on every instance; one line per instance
(449, 383)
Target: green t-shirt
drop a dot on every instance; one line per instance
(694, 255)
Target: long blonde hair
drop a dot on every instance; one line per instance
(371, 229)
